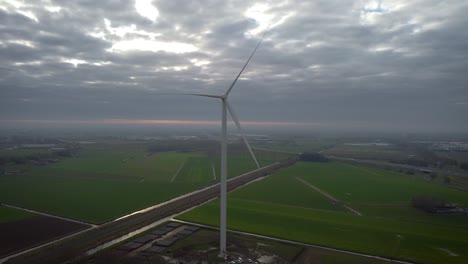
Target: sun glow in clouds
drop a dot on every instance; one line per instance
(264, 19)
(21, 8)
(77, 62)
(53, 9)
(371, 11)
(199, 63)
(174, 68)
(148, 42)
(154, 46)
(146, 9)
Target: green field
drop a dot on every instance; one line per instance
(196, 170)
(367, 152)
(23, 152)
(89, 200)
(298, 146)
(242, 162)
(389, 227)
(286, 191)
(105, 182)
(359, 184)
(8, 214)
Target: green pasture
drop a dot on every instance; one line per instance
(419, 242)
(99, 185)
(196, 170)
(368, 152)
(105, 182)
(359, 184)
(127, 164)
(8, 214)
(281, 189)
(87, 199)
(392, 229)
(410, 214)
(240, 163)
(19, 153)
(301, 146)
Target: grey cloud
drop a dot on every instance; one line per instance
(326, 63)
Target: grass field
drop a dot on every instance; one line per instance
(359, 184)
(105, 182)
(130, 164)
(286, 191)
(10, 214)
(389, 227)
(89, 200)
(368, 152)
(239, 163)
(300, 146)
(196, 170)
(23, 152)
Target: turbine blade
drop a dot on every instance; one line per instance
(241, 131)
(245, 65)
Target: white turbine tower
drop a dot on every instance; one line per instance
(226, 106)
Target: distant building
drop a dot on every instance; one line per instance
(449, 209)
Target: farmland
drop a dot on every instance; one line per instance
(21, 229)
(389, 226)
(376, 152)
(298, 145)
(9, 214)
(106, 181)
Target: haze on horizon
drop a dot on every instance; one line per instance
(376, 65)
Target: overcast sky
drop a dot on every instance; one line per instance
(377, 65)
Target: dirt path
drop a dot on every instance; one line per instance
(329, 196)
(214, 172)
(177, 172)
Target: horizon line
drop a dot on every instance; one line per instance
(112, 121)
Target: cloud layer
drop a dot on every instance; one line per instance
(385, 65)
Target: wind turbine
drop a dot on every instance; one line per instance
(226, 106)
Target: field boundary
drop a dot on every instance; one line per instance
(49, 215)
(329, 196)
